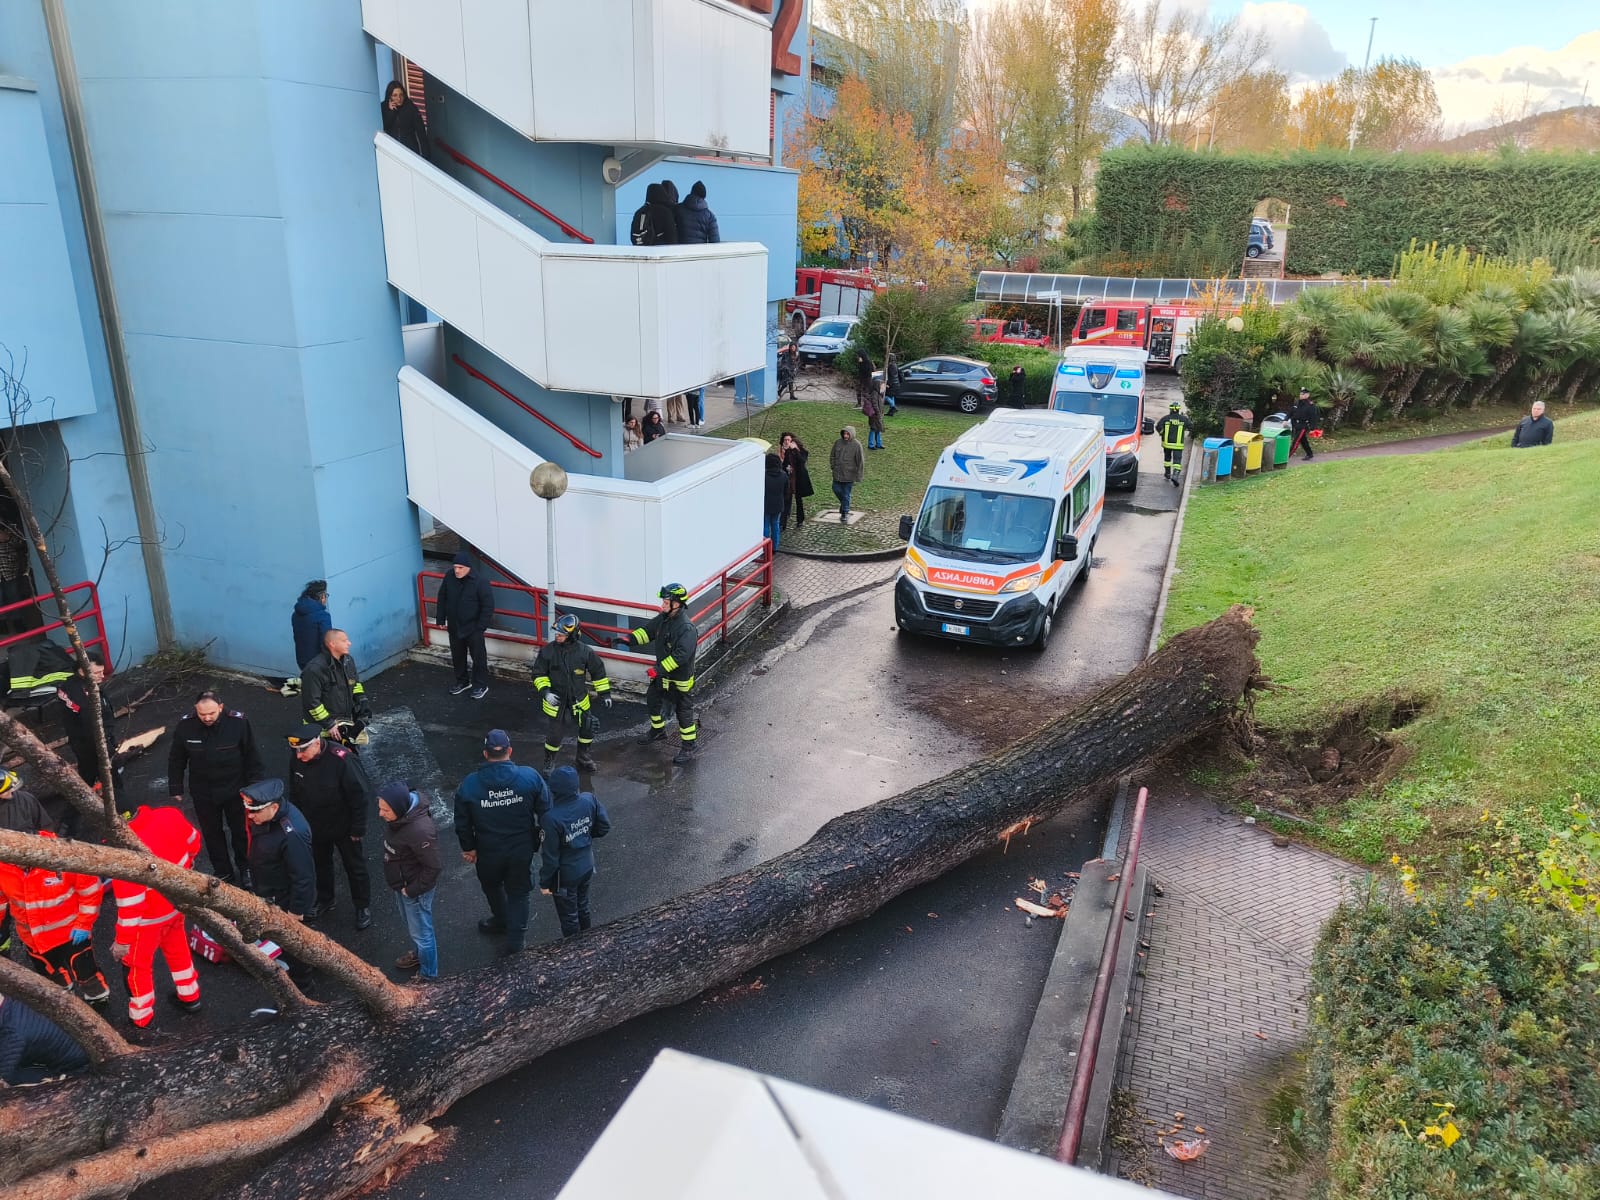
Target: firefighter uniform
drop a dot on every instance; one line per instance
(333, 695)
(55, 913)
(675, 640)
(148, 925)
(562, 674)
(1174, 430)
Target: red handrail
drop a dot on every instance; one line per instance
(502, 184)
(1094, 1022)
(523, 405)
(91, 610)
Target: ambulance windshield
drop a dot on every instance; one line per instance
(1119, 412)
(984, 526)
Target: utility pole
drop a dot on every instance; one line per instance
(1355, 119)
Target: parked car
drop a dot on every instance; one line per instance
(825, 339)
(1260, 238)
(946, 379)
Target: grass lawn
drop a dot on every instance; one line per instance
(1457, 420)
(1469, 578)
(896, 477)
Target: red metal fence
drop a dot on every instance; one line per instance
(715, 605)
(34, 607)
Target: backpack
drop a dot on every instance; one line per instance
(643, 230)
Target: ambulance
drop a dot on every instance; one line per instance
(1007, 526)
(1107, 382)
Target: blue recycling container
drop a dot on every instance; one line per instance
(1224, 449)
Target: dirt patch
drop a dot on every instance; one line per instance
(1304, 771)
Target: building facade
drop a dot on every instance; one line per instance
(221, 270)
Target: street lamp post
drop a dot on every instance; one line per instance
(549, 482)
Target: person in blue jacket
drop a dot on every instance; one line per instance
(566, 864)
(34, 1048)
(499, 808)
(310, 620)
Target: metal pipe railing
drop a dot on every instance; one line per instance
(523, 405)
(1089, 1046)
(90, 611)
(569, 230)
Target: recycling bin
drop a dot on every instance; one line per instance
(1272, 426)
(1281, 447)
(1224, 452)
(1250, 446)
(1237, 421)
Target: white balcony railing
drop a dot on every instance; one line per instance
(672, 74)
(612, 320)
(687, 524)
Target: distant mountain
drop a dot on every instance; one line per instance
(1564, 129)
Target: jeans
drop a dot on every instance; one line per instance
(697, 407)
(506, 880)
(842, 490)
(572, 905)
(771, 527)
(874, 440)
(418, 914)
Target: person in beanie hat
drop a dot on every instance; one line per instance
(411, 867)
(566, 865)
(697, 224)
(498, 808)
(464, 605)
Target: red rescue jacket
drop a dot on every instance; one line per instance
(48, 905)
(170, 838)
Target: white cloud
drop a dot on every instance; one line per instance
(1300, 46)
(1473, 91)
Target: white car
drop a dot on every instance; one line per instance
(826, 338)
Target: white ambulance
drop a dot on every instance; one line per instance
(1008, 524)
(1107, 382)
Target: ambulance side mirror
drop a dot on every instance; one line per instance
(1067, 547)
(1148, 427)
(905, 529)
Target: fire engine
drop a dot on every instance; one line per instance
(1162, 330)
(825, 292)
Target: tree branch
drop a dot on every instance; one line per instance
(262, 969)
(85, 1026)
(121, 1170)
(189, 888)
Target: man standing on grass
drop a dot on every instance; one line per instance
(849, 467)
(1535, 429)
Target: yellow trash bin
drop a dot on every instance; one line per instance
(1250, 446)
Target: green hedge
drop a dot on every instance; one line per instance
(1436, 1012)
(1349, 213)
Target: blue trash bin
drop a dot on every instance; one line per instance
(1224, 449)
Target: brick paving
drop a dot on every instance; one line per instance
(1219, 1016)
(807, 581)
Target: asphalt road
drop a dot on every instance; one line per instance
(922, 1009)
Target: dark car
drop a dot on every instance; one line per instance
(946, 379)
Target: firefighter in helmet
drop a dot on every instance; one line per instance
(1174, 430)
(675, 640)
(562, 674)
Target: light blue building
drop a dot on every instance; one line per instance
(204, 246)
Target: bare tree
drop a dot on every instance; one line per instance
(1177, 61)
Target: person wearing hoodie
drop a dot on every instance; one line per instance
(697, 224)
(655, 223)
(498, 810)
(411, 867)
(402, 120)
(566, 865)
(849, 467)
(310, 620)
(777, 488)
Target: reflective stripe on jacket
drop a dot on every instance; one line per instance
(170, 838)
(1174, 431)
(676, 640)
(47, 904)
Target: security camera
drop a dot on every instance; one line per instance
(611, 169)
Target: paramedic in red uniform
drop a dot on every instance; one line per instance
(148, 925)
(55, 913)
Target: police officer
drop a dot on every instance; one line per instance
(326, 785)
(672, 684)
(1303, 418)
(562, 673)
(332, 692)
(498, 810)
(281, 862)
(216, 747)
(1174, 430)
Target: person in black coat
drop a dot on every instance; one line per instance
(566, 862)
(34, 1048)
(465, 606)
(1535, 429)
(776, 487)
(326, 785)
(1303, 418)
(697, 224)
(891, 386)
(281, 864)
(1019, 387)
(403, 121)
(655, 222)
(864, 381)
(795, 455)
(77, 718)
(653, 428)
(217, 750)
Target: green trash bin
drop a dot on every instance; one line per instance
(1280, 455)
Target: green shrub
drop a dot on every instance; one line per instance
(1455, 1051)
(917, 322)
(1039, 363)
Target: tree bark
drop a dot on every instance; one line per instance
(466, 1030)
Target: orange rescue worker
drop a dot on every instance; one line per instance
(55, 913)
(147, 924)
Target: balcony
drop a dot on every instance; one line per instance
(674, 75)
(611, 320)
(699, 510)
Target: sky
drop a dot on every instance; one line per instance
(1485, 55)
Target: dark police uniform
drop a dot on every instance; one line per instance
(498, 810)
(676, 640)
(566, 868)
(331, 792)
(564, 670)
(280, 853)
(219, 759)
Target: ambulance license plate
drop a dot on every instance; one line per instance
(963, 630)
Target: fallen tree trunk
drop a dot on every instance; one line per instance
(469, 1029)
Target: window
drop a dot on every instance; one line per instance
(994, 527)
(1064, 524)
(1127, 320)
(1080, 496)
(1094, 318)
(946, 367)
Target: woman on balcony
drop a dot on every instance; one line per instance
(402, 120)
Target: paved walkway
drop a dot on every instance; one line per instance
(807, 581)
(1219, 1017)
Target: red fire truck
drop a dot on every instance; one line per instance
(825, 292)
(1162, 330)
